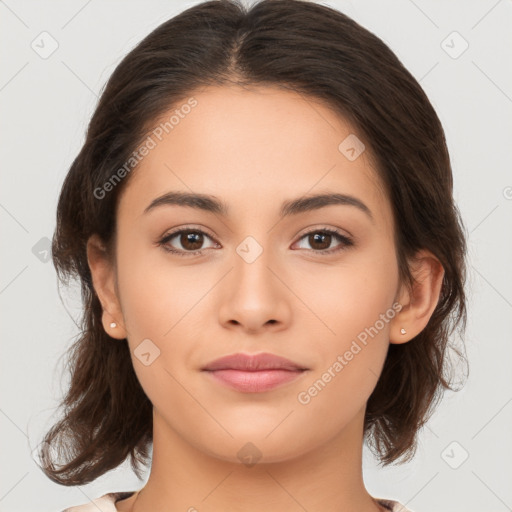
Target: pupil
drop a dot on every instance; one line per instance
(316, 237)
(189, 239)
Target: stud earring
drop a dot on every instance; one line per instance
(402, 331)
(113, 325)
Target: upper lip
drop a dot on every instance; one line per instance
(253, 362)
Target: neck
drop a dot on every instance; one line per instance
(184, 478)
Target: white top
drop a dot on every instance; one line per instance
(106, 503)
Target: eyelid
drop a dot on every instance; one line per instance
(190, 227)
(324, 227)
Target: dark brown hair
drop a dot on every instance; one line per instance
(322, 54)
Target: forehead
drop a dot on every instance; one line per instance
(249, 145)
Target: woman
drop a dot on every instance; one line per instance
(271, 261)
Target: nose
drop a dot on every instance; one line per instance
(254, 296)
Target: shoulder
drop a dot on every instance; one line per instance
(391, 505)
(106, 503)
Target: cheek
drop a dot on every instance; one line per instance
(155, 292)
(160, 302)
(352, 303)
(347, 297)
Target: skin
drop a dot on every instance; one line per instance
(253, 149)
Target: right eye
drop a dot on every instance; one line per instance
(190, 240)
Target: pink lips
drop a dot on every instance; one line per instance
(254, 373)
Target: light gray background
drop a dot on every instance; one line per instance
(45, 107)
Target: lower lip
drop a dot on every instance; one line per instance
(255, 381)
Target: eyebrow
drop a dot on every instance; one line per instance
(211, 204)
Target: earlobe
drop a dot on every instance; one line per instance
(103, 278)
(418, 303)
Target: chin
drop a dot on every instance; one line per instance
(249, 450)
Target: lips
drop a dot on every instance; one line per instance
(253, 363)
(254, 373)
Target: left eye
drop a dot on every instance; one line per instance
(322, 239)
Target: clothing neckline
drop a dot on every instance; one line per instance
(123, 495)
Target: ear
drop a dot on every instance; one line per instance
(103, 278)
(419, 303)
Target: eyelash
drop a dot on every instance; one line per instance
(345, 241)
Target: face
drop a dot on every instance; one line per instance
(317, 285)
